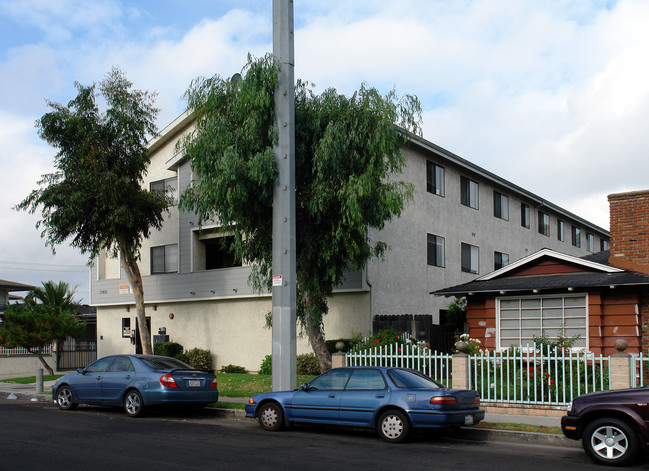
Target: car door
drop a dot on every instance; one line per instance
(119, 375)
(319, 401)
(364, 393)
(87, 385)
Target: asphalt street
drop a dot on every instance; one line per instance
(36, 435)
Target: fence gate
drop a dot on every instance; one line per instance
(80, 352)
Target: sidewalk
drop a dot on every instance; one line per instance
(28, 392)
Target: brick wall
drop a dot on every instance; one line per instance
(630, 230)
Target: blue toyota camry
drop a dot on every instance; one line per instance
(134, 382)
(392, 400)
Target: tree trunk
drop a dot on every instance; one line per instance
(39, 353)
(129, 263)
(314, 332)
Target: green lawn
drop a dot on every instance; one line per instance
(246, 385)
(30, 379)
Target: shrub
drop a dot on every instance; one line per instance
(168, 349)
(198, 358)
(233, 369)
(266, 367)
(307, 364)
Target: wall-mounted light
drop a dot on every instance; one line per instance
(234, 289)
(171, 315)
(128, 309)
(212, 291)
(535, 291)
(192, 292)
(155, 307)
(570, 288)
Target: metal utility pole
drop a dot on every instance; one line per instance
(284, 277)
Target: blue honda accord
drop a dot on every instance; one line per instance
(135, 381)
(392, 400)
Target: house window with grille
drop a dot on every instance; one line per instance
(522, 319)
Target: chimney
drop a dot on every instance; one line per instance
(630, 230)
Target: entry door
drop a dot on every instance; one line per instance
(138, 342)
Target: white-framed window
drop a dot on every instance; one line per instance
(166, 185)
(501, 206)
(435, 250)
(525, 216)
(544, 223)
(603, 244)
(590, 242)
(470, 255)
(469, 192)
(164, 259)
(576, 236)
(500, 260)
(560, 230)
(434, 178)
(520, 319)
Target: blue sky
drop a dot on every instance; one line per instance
(552, 95)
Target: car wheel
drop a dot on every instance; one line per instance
(610, 441)
(133, 403)
(393, 426)
(64, 398)
(271, 417)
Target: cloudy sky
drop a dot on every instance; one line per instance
(551, 95)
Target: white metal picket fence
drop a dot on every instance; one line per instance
(528, 376)
(515, 376)
(8, 352)
(641, 367)
(436, 365)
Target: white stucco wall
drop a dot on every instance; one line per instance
(233, 330)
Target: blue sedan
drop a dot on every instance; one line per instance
(392, 400)
(135, 381)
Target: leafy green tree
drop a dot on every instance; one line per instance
(95, 197)
(45, 316)
(456, 314)
(348, 158)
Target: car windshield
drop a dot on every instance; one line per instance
(413, 379)
(164, 363)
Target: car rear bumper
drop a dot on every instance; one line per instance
(430, 418)
(180, 396)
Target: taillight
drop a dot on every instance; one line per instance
(168, 381)
(443, 400)
(213, 383)
(476, 400)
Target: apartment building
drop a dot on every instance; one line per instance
(462, 221)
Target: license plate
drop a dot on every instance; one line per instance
(194, 383)
(468, 420)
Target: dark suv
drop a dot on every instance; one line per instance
(612, 425)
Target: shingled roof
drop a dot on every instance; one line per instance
(595, 273)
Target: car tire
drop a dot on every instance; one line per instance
(271, 417)
(133, 403)
(64, 398)
(610, 442)
(393, 426)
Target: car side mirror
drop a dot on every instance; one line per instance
(80, 371)
(304, 387)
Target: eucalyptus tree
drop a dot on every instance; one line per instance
(348, 159)
(95, 198)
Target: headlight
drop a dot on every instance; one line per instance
(569, 408)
